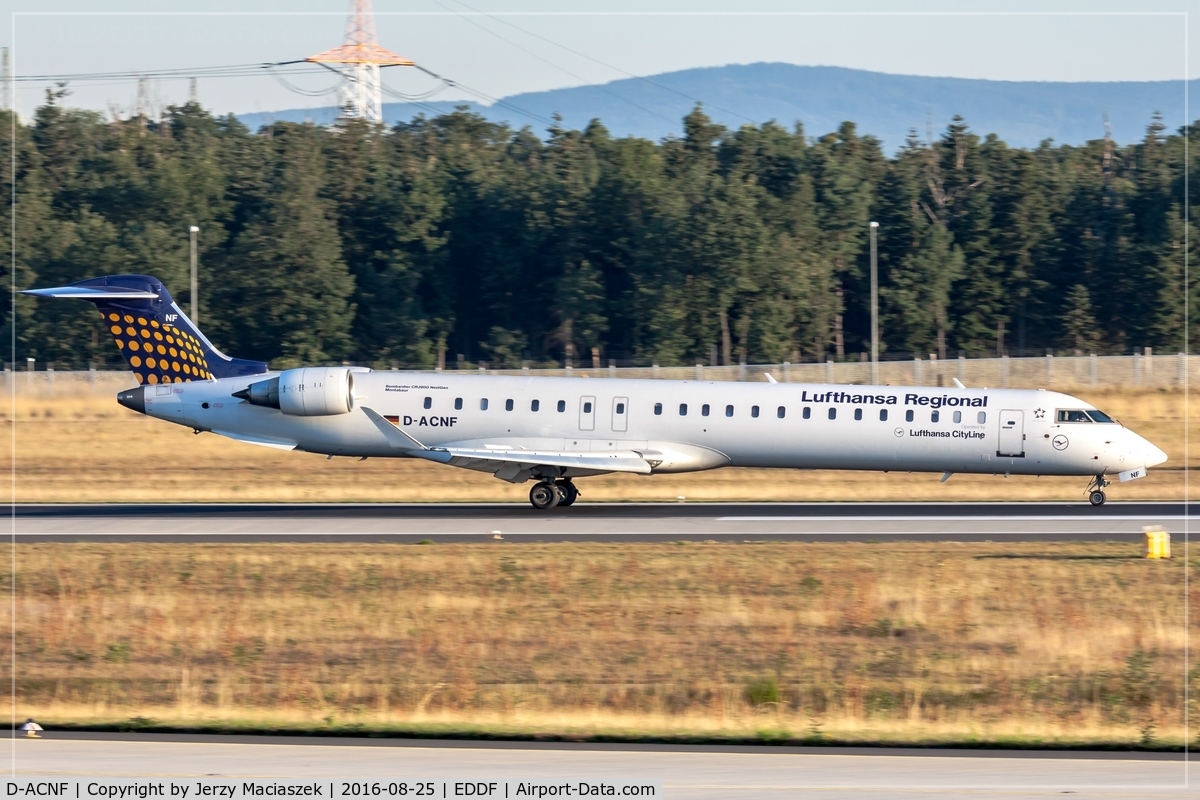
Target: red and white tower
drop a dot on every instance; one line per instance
(359, 60)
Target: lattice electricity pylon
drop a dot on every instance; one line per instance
(359, 60)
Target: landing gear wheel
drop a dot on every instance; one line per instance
(1095, 490)
(569, 493)
(545, 495)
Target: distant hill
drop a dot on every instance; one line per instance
(1022, 113)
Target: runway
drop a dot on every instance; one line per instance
(607, 522)
(697, 772)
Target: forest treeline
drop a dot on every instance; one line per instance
(452, 237)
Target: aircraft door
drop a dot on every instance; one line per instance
(620, 414)
(587, 413)
(1012, 434)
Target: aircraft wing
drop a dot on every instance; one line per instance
(501, 462)
(511, 463)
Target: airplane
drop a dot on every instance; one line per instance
(555, 430)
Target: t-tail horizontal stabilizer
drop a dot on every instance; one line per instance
(159, 342)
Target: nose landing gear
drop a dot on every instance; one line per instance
(1095, 490)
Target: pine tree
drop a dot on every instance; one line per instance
(455, 235)
(1079, 326)
(284, 273)
(918, 299)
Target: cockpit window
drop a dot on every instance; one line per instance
(1099, 416)
(1072, 415)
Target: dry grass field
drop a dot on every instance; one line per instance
(86, 448)
(1020, 644)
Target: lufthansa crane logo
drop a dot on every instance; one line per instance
(899, 432)
(1060, 442)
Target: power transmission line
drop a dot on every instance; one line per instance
(306, 92)
(275, 70)
(551, 63)
(487, 98)
(602, 63)
(228, 71)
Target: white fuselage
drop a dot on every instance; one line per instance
(802, 426)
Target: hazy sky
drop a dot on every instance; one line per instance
(1132, 41)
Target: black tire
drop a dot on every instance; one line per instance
(1097, 498)
(544, 496)
(569, 492)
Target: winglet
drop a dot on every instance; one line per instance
(395, 435)
(770, 378)
(958, 383)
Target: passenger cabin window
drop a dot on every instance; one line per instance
(1067, 415)
(658, 409)
(587, 408)
(958, 416)
(429, 402)
(562, 406)
(832, 412)
(508, 405)
(934, 416)
(729, 411)
(908, 415)
(535, 405)
(620, 408)
(754, 411)
(704, 410)
(858, 414)
(883, 415)
(458, 404)
(1100, 416)
(806, 413)
(781, 412)
(683, 409)
(483, 404)
(982, 417)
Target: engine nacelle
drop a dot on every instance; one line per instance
(305, 392)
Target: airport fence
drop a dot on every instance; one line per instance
(1048, 372)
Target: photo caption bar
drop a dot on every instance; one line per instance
(191, 789)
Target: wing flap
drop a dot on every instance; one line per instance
(614, 461)
(502, 460)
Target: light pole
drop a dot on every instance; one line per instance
(193, 230)
(874, 306)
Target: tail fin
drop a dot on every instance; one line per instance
(157, 339)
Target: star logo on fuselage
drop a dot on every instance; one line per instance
(1039, 413)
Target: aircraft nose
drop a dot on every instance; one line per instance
(1154, 456)
(1145, 453)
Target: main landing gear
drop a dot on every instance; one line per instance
(548, 494)
(1095, 490)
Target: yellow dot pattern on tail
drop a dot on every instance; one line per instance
(156, 340)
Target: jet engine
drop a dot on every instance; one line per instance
(306, 392)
